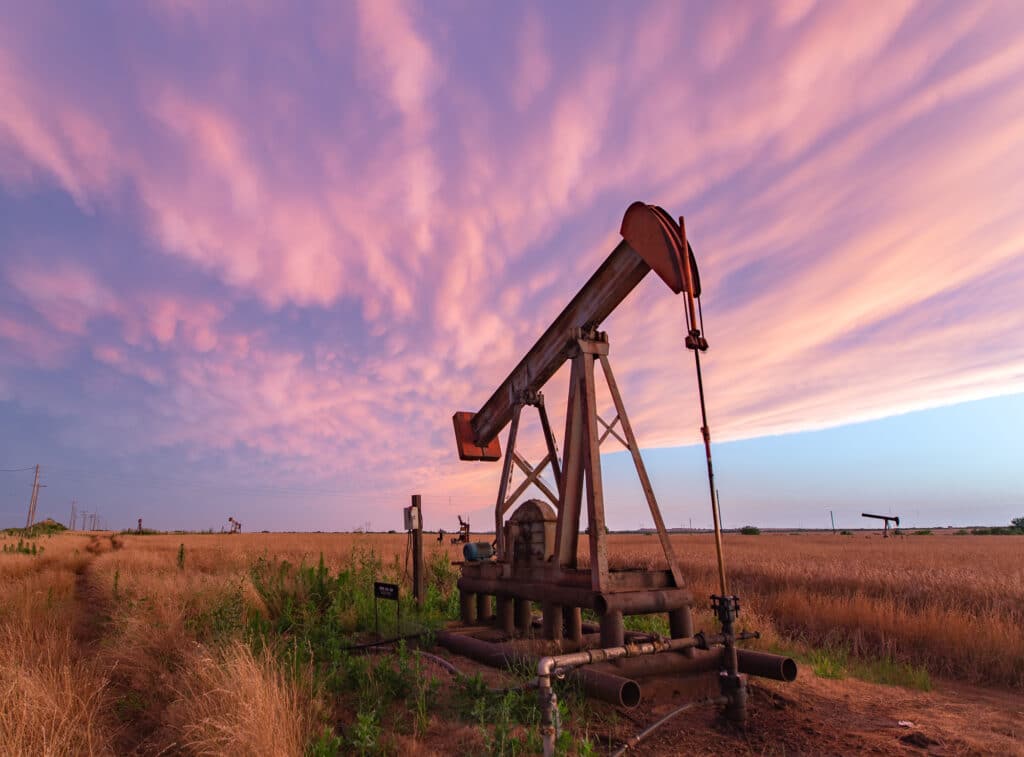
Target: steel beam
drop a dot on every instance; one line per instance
(651, 239)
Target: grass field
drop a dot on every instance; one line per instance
(214, 644)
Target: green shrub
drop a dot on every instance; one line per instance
(750, 531)
(23, 548)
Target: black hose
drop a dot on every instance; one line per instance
(382, 642)
(632, 741)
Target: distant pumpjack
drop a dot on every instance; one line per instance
(236, 527)
(463, 536)
(886, 518)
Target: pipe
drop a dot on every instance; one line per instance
(608, 686)
(603, 685)
(642, 602)
(632, 741)
(639, 602)
(665, 664)
(774, 666)
(561, 664)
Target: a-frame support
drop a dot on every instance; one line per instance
(581, 462)
(532, 472)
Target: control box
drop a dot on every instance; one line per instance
(412, 518)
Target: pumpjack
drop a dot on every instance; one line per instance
(536, 549)
(887, 518)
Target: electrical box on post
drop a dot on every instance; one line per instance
(412, 518)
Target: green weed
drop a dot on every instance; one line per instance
(365, 735)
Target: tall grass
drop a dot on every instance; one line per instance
(950, 605)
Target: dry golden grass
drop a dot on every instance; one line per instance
(142, 679)
(952, 604)
(235, 702)
(51, 697)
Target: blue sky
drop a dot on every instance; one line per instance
(951, 466)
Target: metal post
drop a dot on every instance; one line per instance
(483, 608)
(573, 624)
(552, 621)
(613, 632)
(467, 607)
(524, 615)
(417, 551)
(506, 614)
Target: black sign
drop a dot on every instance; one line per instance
(385, 591)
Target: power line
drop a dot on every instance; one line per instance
(150, 480)
(16, 470)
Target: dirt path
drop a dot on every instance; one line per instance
(135, 716)
(91, 611)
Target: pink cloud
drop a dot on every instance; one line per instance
(843, 169)
(533, 66)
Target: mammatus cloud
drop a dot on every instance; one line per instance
(365, 216)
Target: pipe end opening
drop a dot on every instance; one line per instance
(789, 669)
(629, 694)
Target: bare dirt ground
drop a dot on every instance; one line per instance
(813, 716)
(822, 717)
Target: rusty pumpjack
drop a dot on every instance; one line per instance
(462, 537)
(535, 555)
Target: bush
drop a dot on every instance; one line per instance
(1018, 523)
(923, 532)
(846, 533)
(994, 531)
(750, 531)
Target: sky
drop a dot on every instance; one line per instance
(252, 258)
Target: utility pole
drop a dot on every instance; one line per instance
(832, 515)
(33, 500)
(74, 515)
